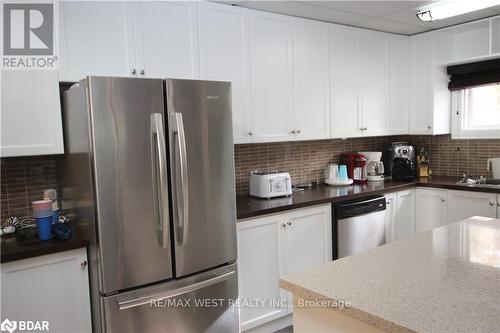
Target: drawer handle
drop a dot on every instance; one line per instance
(83, 263)
(492, 203)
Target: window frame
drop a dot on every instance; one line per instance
(457, 114)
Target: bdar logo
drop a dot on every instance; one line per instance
(7, 325)
(28, 29)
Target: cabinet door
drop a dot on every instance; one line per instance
(167, 39)
(54, 288)
(498, 206)
(399, 79)
(311, 110)
(270, 77)
(307, 241)
(421, 62)
(405, 215)
(224, 57)
(258, 268)
(30, 120)
(96, 38)
(374, 68)
(431, 209)
(391, 200)
(464, 204)
(344, 78)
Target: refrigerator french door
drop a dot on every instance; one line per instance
(202, 173)
(160, 201)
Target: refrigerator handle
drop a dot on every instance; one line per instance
(183, 194)
(159, 164)
(145, 300)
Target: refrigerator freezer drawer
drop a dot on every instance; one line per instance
(200, 303)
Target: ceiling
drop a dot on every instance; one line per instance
(389, 16)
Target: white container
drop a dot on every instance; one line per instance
(494, 164)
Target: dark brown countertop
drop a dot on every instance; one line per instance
(12, 250)
(248, 207)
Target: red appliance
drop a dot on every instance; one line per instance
(356, 166)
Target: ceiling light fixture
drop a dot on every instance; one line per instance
(449, 8)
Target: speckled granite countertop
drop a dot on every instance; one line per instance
(445, 280)
(248, 207)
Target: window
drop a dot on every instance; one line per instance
(477, 112)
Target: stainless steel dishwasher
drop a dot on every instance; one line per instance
(358, 226)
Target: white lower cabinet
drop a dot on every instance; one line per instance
(274, 246)
(436, 207)
(391, 200)
(52, 288)
(498, 206)
(405, 215)
(431, 209)
(464, 204)
(400, 215)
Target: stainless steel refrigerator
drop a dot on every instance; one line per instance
(149, 167)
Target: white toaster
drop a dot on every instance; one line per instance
(270, 184)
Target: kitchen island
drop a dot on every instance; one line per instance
(444, 280)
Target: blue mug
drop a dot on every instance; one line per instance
(343, 173)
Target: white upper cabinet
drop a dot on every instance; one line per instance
(374, 68)
(96, 38)
(270, 77)
(430, 106)
(310, 63)
(30, 116)
(143, 39)
(420, 115)
(345, 97)
(224, 57)
(360, 83)
(166, 39)
(399, 80)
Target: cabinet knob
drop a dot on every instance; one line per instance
(292, 131)
(492, 203)
(289, 223)
(366, 128)
(142, 72)
(133, 71)
(83, 263)
(250, 132)
(498, 204)
(429, 127)
(443, 199)
(298, 131)
(284, 225)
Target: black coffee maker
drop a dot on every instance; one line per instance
(400, 161)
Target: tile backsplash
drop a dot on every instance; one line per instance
(23, 179)
(306, 160)
(456, 157)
